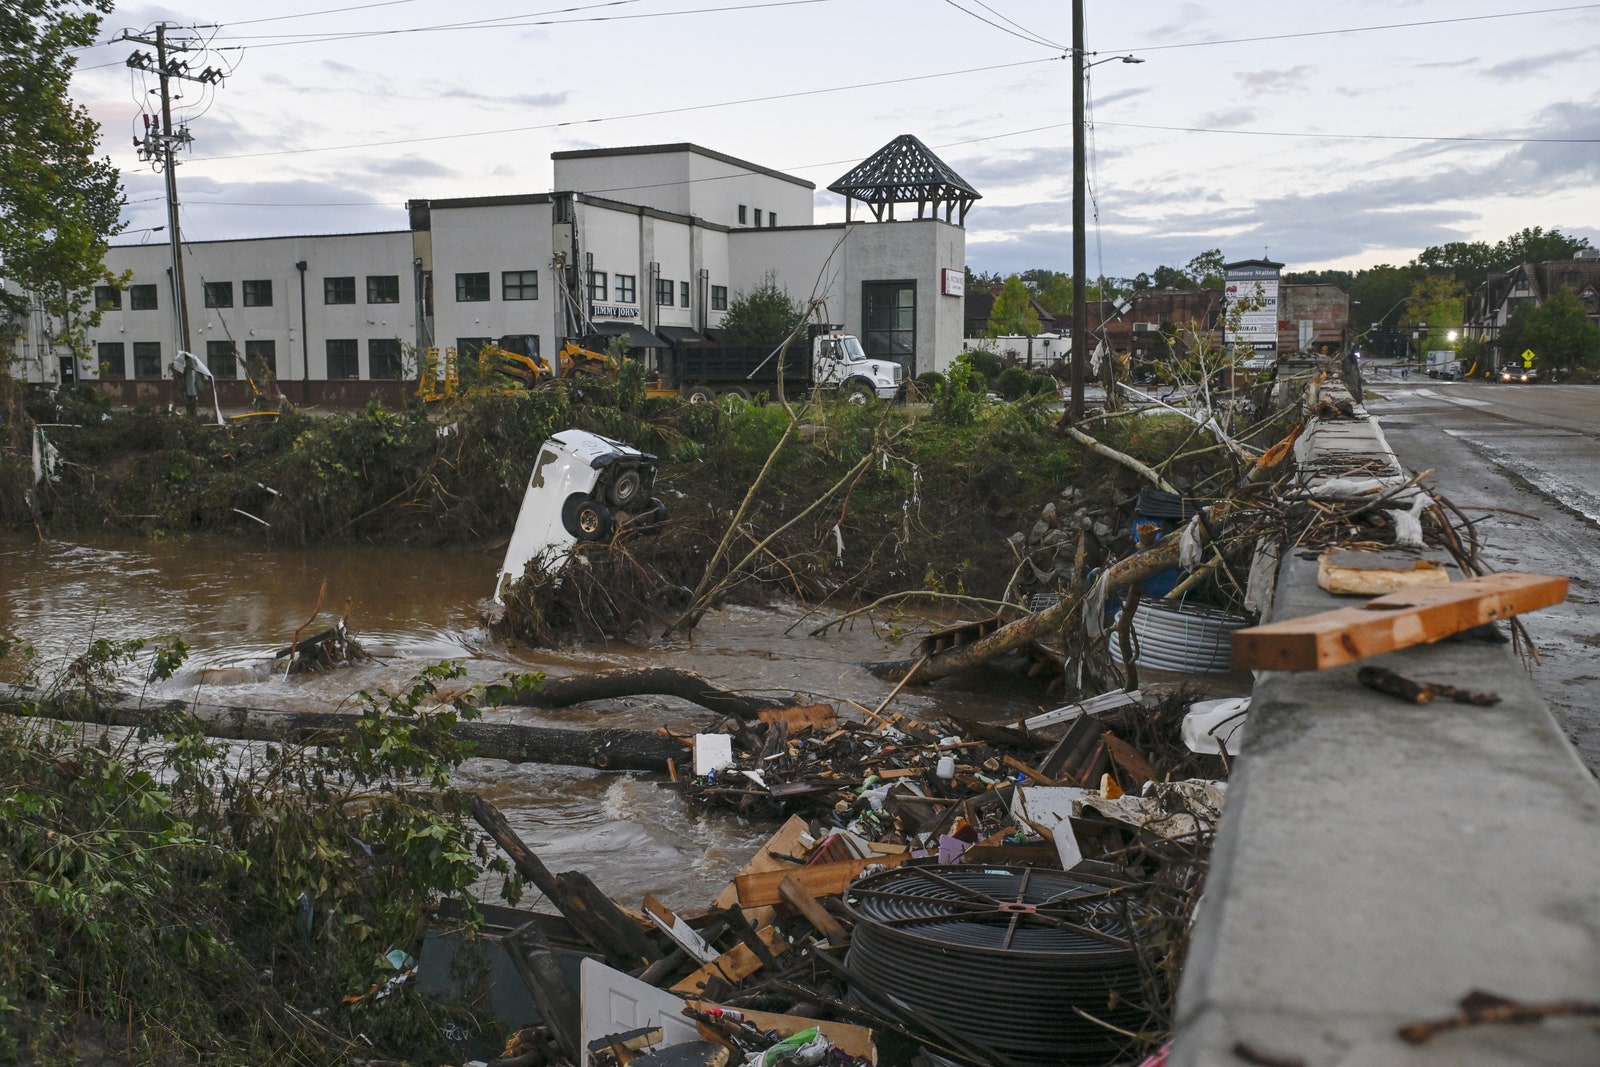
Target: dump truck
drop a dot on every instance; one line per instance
(827, 359)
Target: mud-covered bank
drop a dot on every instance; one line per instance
(949, 487)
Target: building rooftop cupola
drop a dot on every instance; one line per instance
(905, 171)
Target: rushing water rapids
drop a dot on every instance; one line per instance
(237, 603)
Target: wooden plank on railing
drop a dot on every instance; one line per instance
(1394, 621)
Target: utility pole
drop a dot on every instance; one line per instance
(159, 146)
(1080, 305)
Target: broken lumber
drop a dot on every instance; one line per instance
(734, 965)
(1394, 621)
(819, 879)
(797, 896)
(606, 749)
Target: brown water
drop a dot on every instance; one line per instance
(237, 603)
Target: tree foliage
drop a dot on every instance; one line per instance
(58, 202)
(762, 314)
(1434, 309)
(1558, 331)
(1013, 312)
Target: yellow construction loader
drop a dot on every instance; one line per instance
(512, 363)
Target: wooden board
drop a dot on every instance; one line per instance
(803, 717)
(785, 842)
(1348, 572)
(734, 965)
(820, 880)
(1397, 620)
(797, 896)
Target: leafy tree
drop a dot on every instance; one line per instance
(1558, 331)
(1436, 300)
(1055, 294)
(1535, 246)
(1205, 270)
(58, 203)
(1377, 306)
(762, 314)
(1013, 311)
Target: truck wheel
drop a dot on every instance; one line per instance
(586, 518)
(859, 391)
(700, 394)
(624, 487)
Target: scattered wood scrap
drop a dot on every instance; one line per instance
(1396, 684)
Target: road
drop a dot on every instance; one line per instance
(1534, 450)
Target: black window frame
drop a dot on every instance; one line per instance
(392, 353)
(217, 294)
(339, 289)
(472, 287)
(144, 297)
(667, 287)
(383, 288)
(744, 212)
(469, 347)
(596, 285)
(516, 285)
(627, 288)
(147, 357)
(111, 357)
(107, 298)
(344, 362)
(266, 349)
(251, 291)
(683, 294)
(719, 298)
(873, 336)
(222, 356)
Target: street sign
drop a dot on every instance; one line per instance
(1527, 357)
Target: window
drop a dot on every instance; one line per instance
(142, 298)
(259, 356)
(469, 347)
(772, 219)
(719, 298)
(683, 294)
(519, 285)
(257, 294)
(383, 288)
(890, 315)
(758, 218)
(742, 213)
(627, 288)
(223, 359)
(107, 298)
(384, 358)
(597, 285)
(344, 361)
(147, 359)
(664, 287)
(219, 294)
(339, 290)
(113, 361)
(472, 288)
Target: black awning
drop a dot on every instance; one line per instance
(638, 336)
(680, 333)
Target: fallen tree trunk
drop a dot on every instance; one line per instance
(648, 681)
(1014, 635)
(611, 750)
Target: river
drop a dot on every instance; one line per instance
(236, 602)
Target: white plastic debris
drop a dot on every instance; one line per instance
(712, 752)
(1212, 721)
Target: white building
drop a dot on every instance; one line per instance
(652, 242)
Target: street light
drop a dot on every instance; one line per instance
(1080, 307)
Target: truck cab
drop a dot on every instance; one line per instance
(838, 361)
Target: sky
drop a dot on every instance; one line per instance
(1319, 135)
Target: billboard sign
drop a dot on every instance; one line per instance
(1250, 306)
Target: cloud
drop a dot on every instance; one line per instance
(412, 166)
(531, 100)
(1231, 118)
(1273, 81)
(1540, 64)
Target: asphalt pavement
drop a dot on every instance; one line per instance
(1525, 460)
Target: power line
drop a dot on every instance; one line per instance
(634, 115)
(1354, 29)
(1024, 34)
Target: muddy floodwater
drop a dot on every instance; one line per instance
(237, 603)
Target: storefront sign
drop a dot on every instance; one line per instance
(953, 282)
(614, 311)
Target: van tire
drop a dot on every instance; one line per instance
(586, 518)
(625, 487)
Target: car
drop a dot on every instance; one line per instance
(1522, 375)
(583, 486)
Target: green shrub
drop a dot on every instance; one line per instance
(1013, 382)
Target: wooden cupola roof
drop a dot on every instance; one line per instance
(904, 171)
